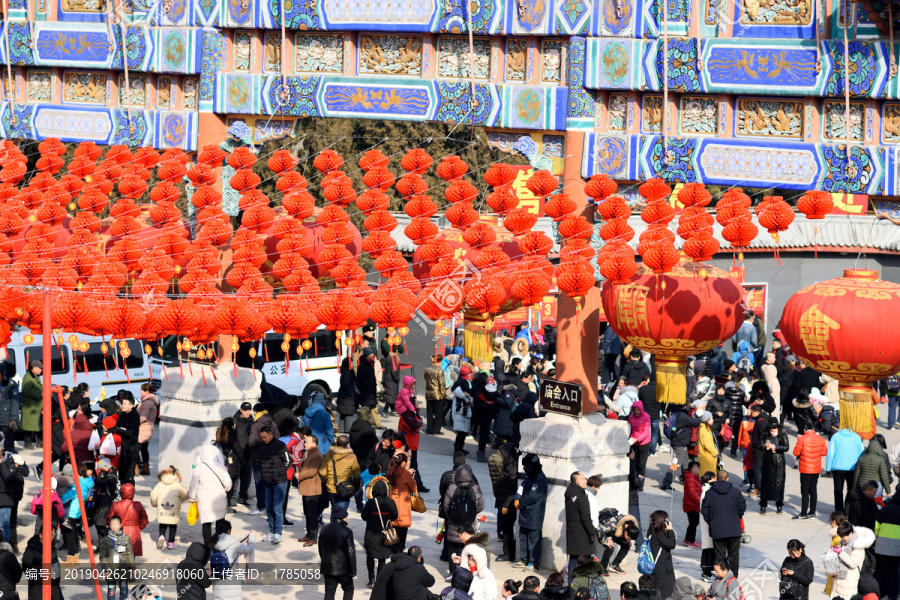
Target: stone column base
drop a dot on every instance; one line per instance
(190, 412)
(592, 445)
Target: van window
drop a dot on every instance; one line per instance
(136, 359)
(11, 367)
(323, 346)
(242, 357)
(94, 359)
(58, 365)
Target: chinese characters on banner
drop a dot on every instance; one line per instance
(755, 299)
(527, 200)
(561, 397)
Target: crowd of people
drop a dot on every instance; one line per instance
(758, 406)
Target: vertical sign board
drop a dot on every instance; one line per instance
(561, 397)
(755, 298)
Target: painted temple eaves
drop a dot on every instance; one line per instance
(751, 92)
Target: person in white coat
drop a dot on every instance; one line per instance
(210, 483)
(854, 541)
(484, 585)
(593, 487)
(232, 547)
(707, 554)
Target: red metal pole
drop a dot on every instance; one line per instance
(84, 520)
(46, 426)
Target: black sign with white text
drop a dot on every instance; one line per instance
(561, 397)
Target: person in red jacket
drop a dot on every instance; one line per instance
(134, 517)
(691, 503)
(82, 428)
(811, 448)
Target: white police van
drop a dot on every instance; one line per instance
(81, 359)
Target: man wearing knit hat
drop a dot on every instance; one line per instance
(338, 554)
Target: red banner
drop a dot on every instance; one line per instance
(755, 298)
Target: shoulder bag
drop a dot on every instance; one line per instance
(417, 502)
(345, 489)
(388, 533)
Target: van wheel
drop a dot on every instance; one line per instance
(304, 399)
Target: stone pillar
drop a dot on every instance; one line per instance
(565, 444)
(191, 410)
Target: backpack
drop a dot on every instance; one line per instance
(646, 562)
(893, 384)
(740, 590)
(669, 426)
(868, 565)
(745, 363)
(462, 506)
(607, 520)
(746, 431)
(218, 562)
(597, 588)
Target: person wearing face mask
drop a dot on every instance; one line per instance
(580, 531)
(462, 407)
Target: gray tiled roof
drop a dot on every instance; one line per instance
(835, 231)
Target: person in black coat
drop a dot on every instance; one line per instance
(106, 486)
(682, 436)
(634, 371)
(736, 398)
(757, 445)
(363, 439)
(580, 531)
(378, 512)
(338, 554)
(798, 568)
(390, 379)
(522, 411)
(550, 340)
(504, 494)
(485, 408)
(720, 407)
(662, 542)
(503, 424)
(723, 508)
(193, 586)
(760, 394)
(862, 510)
(411, 580)
(230, 445)
(243, 419)
(127, 427)
(10, 571)
(384, 581)
(531, 505)
(32, 558)
(368, 387)
(346, 396)
(773, 446)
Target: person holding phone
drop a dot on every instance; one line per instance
(662, 541)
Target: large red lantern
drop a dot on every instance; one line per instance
(674, 315)
(823, 324)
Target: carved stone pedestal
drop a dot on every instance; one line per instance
(191, 411)
(592, 445)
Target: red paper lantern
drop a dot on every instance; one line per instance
(461, 190)
(451, 168)
(379, 177)
(600, 187)
(658, 213)
(618, 268)
(694, 194)
(838, 327)
(575, 278)
(372, 199)
(559, 207)
(387, 310)
(500, 174)
(390, 264)
(542, 183)
(373, 158)
(502, 200)
(815, 204)
(485, 296)
(616, 229)
(519, 221)
(740, 233)
(211, 155)
(282, 161)
(660, 257)
(411, 184)
(679, 314)
(291, 181)
(530, 287)
(347, 271)
(701, 247)
(420, 206)
(420, 230)
(378, 243)
(241, 158)
(479, 236)
(575, 227)
(535, 243)
(654, 190)
(416, 161)
(380, 220)
(461, 215)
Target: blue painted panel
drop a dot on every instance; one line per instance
(783, 69)
(778, 19)
(396, 99)
(86, 48)
(74, 124)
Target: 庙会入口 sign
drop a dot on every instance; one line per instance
(561, 397)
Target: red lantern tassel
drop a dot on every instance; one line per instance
(212, 372)
(84, 359)
(62, 358)
(180, 369)
(306, 354)
(150, 367)
(266, 349)
(127, 377)
(165, 373)
(203, 373)
(287, 365)
(235, 370)
(190, 368)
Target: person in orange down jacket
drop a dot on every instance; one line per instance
(811, 448)
(134, 517)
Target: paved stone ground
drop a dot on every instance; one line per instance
(760, 560)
